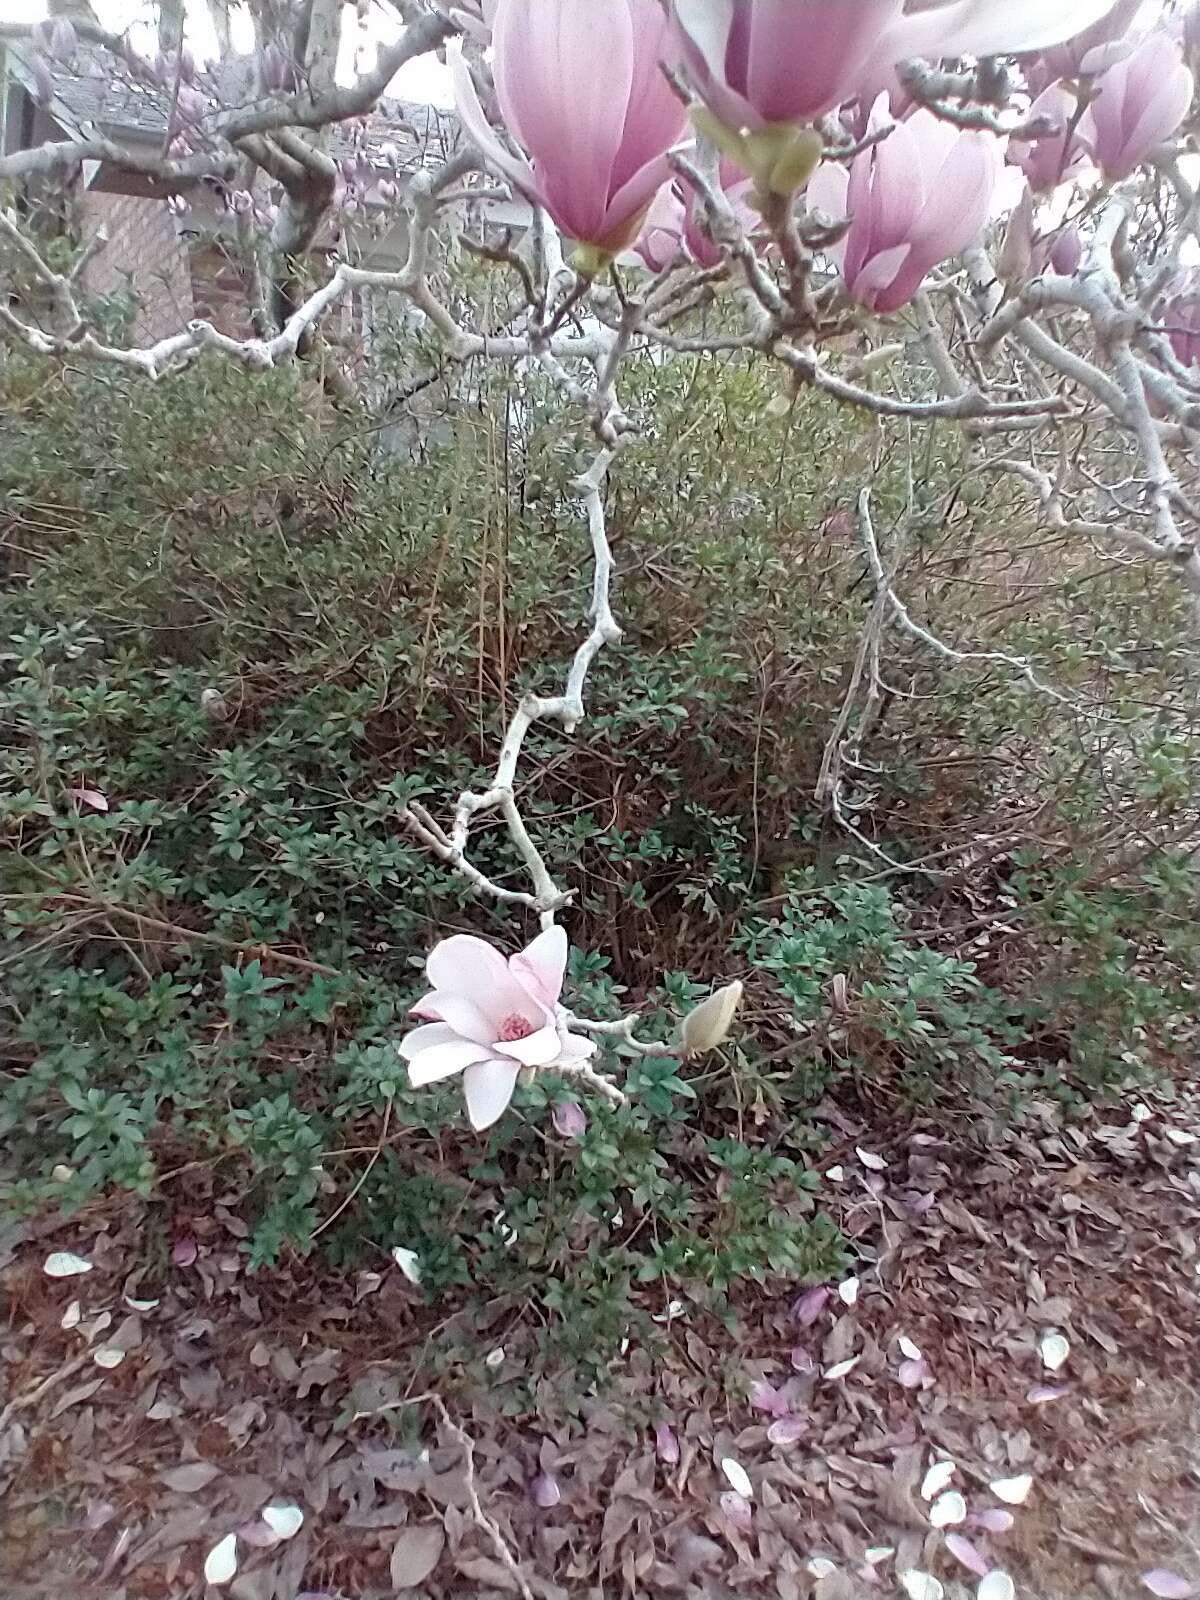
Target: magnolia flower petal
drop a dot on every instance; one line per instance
(1165, 1584)
(948, 1510)
(409, 1263)
(841, 1369)
(444, 1060)
(460, 1012)
(848, 1291)
(284, 1519)
(965, 1553)
(545, 1491)
(787, 1430)
(464, 964)
(484, 137)
(991, 1520)
(739, 1510)
(937, 1478)
(63, 1264)
(920, 1585)
(570, 1119)
(221, 1563)
(996, 1586)
(1013, 1491)
(488, 1087)
(666, 1444)
(737, 1477)
(983, 28)
(1054, 1349)
(542, 965)
(809, 1306)
(537, 1049)
(820, 1567)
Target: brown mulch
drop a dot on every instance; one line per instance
(226, 1392)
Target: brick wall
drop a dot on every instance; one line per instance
(144, 251)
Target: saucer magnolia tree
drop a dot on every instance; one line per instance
(1006, 195)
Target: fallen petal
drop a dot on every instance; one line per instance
(766, 1397)
(1013, 1491)
(107, 1357)
(1167, 1585)
(72, 1316)
(737, 1477)
(908, 1349)
(948, 1510)
(1054, 1349)
(967, 1555)
(912, 1374)
(494, 1358)
(841, 1368)
(409, 1263)
(921, 1585)
(221, 1563)
(820, 1567)
(835, 1174)
(284, 1519)
(62, 1264)
(570, 1119)
(802, 1360)
(739, 1511)
(937, 1478)
(870, 1160)
(991, 1520)
(1041, 1393)
(545, 1491)
(788, 1430)
(878, 1553)
(184, 1253)
(996, 1586)
(848, 1291)
(666, 1444)
(810, 1305)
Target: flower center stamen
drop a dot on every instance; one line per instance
(515, 1027)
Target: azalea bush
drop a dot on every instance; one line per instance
(216, 923)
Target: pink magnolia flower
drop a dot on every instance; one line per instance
(917, 198)
(758, 63)
(1139, 103)
(489, 1017)
(1059, 252)
(1051, 160)
(581, 89)
(1180, 317)
(1094, 48)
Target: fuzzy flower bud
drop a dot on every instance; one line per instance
(708, 1025)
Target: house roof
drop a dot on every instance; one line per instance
(400, 133)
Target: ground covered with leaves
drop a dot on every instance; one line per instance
(1018, 1330)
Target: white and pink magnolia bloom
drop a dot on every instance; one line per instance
(1055, 157)
(759, 63)
(1094, 48)
(1180, 316)
(1139, 104)
(581, 89)
(488, 1017)
(917, 198)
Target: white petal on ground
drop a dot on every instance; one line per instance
(494, 1358)
(1167, 1585)
(1054, 1350)
(739, 1510)
(878, 1553)
(62, 1264)
(937, 1478)
(948, 1510)
(921, 1585)
(141, 1305)
(409, 1263)
(221, 1562)
(841, 1368)
(848, 1291)
(835, 1174)
(1043, 1392)
(1179, 1137)
(787, 1430)
(1013, 1491)
(870, 1160)
(908, 1349)
(996, 1586)
(284, 1519)
(107, 1357)
(820, 1567)
(992, 1520)
(72, 1316)
(737, 1478)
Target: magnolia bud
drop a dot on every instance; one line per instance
(276, 73)
(1067, 252)
(212, 703)
(570, 1119)
(708, 1025)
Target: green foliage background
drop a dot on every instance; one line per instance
(203, 984)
